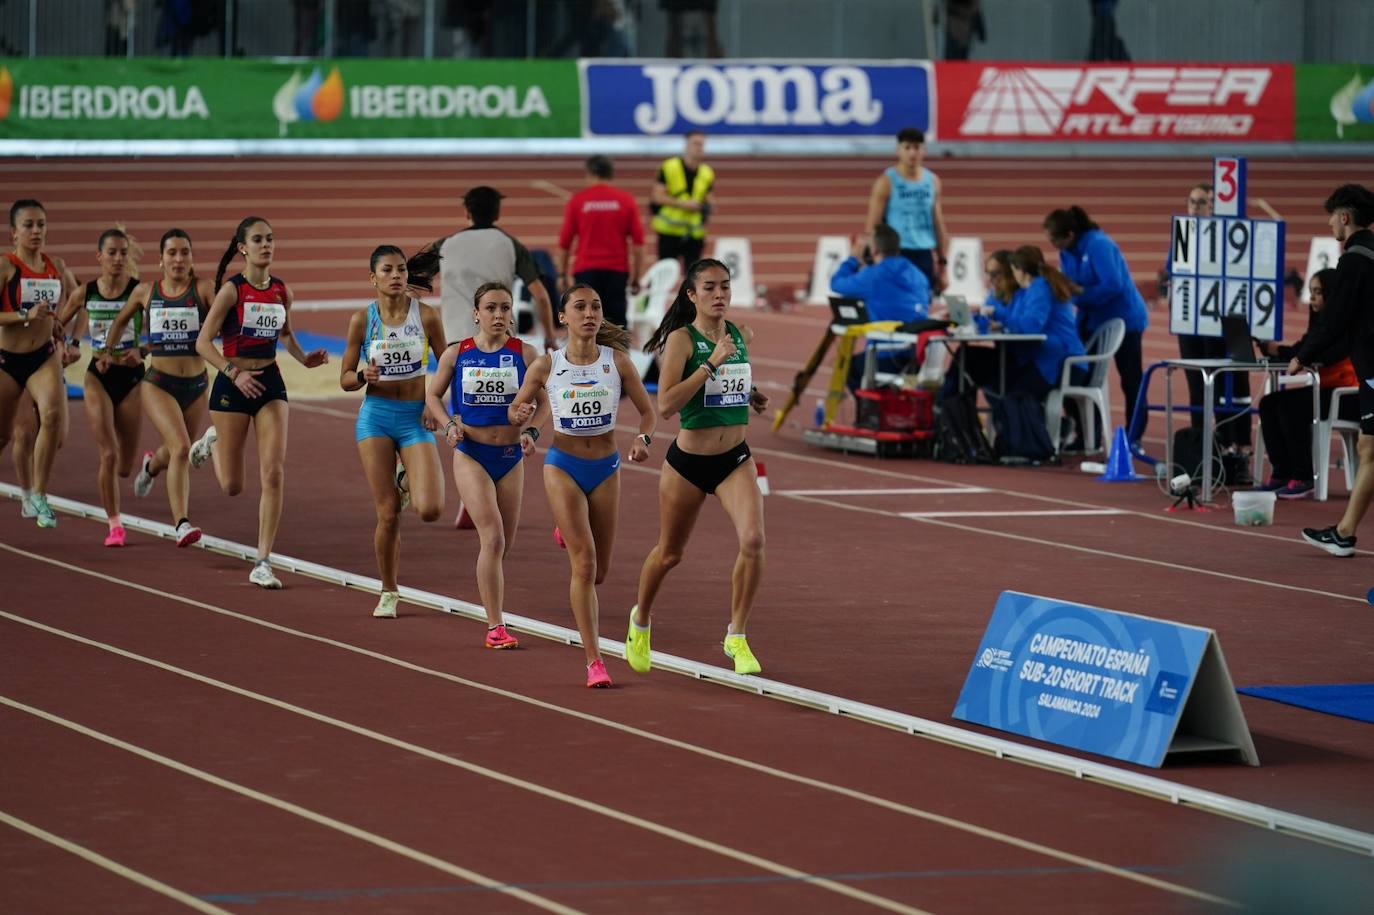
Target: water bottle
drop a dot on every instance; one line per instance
(820, 414)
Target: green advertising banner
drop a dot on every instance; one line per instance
(1335, 102)
(213, 98)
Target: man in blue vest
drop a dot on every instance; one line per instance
(682, 201)
(907, 197)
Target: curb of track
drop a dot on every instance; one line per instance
(1270, 818)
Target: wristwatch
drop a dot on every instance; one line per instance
(645, 439)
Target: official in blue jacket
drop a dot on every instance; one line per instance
(1041, 307)
(1089, 258)
(893, 289)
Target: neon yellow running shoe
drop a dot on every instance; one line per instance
(738, 648)
(637, 645)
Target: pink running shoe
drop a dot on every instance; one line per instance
(187, 534)
(558, 537)
(500, 638)
(597, 678)
(116, 536)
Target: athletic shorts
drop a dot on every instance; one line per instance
(117, 380)
(707, 471)
(496, 460)
(225, 398)
(398, 420)
(588, 474)
(1366, 399)
(185, 389)
(22, 366)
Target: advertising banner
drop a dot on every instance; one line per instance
(1335, 102)
(756, 98)
(212, 98)
(1115, 102)
(1106, 682)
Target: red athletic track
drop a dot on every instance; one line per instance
(857, 601)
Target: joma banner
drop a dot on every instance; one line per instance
(1115, 102)
(100, 98)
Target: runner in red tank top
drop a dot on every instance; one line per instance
(251, 312)
(33, 352)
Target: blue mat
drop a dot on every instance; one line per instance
(1347, 700)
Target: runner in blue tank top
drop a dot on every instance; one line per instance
(907, 197)
(487, 370)
(391, 338)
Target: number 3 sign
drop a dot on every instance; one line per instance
(1228, 183)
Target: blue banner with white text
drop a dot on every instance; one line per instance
(1096, 680)
(756, 98)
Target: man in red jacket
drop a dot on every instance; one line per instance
(610, 247)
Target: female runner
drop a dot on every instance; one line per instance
(583, 382)
(32, 349)
(113, 403)
(704, 376)
(485, 371)
(250, 313)
(394, 335)
(175, 387)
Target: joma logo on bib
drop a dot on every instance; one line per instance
(756, 95)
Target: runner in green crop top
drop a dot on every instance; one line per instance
(713, 394)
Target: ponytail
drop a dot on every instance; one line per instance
(1031, 260)
(614, 336)
(421, 268)
(239, 235)
(682, 311)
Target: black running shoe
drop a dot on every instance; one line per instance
(1329, 540)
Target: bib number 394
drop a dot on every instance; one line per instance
(730, 387)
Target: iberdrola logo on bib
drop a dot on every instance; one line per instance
(314, 99)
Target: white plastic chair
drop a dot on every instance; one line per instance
(1101, 348)
(1349, 430)
(657, 288)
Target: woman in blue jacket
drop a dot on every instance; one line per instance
(1041, 307)
(1091, 260)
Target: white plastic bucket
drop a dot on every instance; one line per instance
(1253, 509)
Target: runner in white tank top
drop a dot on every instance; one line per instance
(584, 381)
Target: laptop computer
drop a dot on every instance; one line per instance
(848, 311)
(959, 313)
(1239, 345)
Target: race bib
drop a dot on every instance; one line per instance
(584, 409)
(263, 320)
(730, 387)
(397, 360)
(100, 332)
(173, 325)
(39, 295)
(487, 386)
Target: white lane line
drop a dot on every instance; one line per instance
(1148, 785)
(1256, 814)
(304, 813)
(1054, 513)
(1094, 551)
(495, 775)
(918, 491)
(109, 864)
(549, 187)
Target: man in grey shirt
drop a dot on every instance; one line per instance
(482, 253)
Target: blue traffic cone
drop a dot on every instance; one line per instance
(1119, 469)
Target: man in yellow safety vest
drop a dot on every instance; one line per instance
(682, 201)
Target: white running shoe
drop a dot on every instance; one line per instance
(200, 451)
(402, 485)
(143, 483)
(187, 533)
(262, 576)
(26, 509)
(386, 607)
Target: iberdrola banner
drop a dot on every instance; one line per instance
(212, 98)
